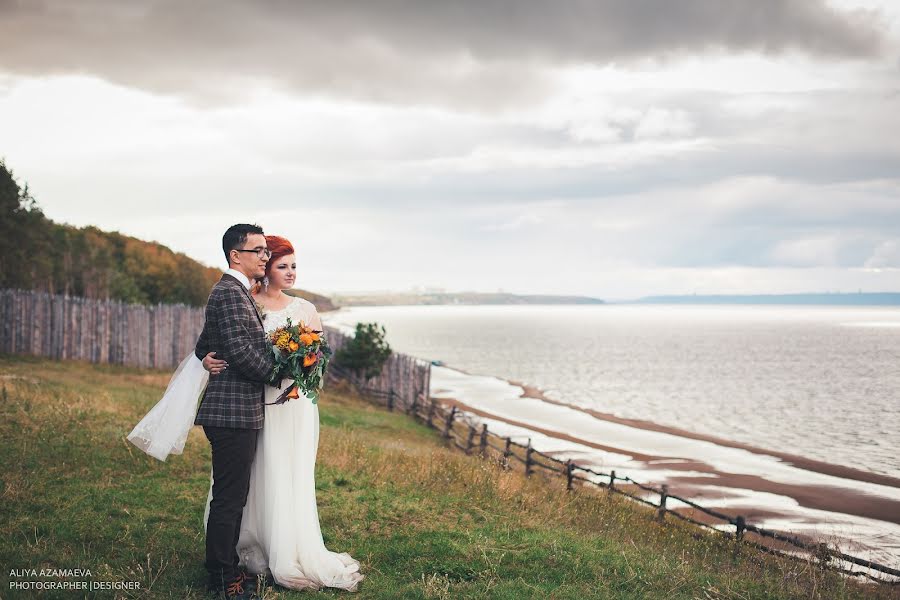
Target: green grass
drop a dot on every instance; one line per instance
(425, 521)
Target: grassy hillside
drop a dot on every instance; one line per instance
(425, 521)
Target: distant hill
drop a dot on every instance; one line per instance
(387, 299)
(39, 254)
(858, 299)
(322, 303)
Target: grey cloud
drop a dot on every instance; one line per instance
(477, 53)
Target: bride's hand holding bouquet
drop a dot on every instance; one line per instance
(301, 354)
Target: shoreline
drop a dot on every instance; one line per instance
(817, 497)
(807, 464)
(801, 462)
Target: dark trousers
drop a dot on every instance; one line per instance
(232, 454)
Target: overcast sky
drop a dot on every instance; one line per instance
(611, 148)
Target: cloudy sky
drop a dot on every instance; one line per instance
(612, 148)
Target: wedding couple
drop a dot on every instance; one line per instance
(261, 514)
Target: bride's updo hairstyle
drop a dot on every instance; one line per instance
(279, 247)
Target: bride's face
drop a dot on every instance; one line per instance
(283, 273)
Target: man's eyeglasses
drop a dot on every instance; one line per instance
(260, 252)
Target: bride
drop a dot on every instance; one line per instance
(280, 531)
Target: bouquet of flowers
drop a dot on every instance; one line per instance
(301, 354)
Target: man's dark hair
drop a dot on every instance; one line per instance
(236, 236)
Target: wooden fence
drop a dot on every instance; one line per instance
(108, 331)
(465, 433)
(98, 331)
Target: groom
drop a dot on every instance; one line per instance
(232, 410)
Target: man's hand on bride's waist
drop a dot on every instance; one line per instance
(214, 365)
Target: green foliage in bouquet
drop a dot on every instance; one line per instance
(367, 352)
(301, 354)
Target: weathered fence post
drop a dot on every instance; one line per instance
(482, 443)
(570, 467)
(506, 453)
(431, 412)
(470, 438)
(661, 513)
(740, 526)
(823, 554)
(528, 460)
(612, 481)
(414, 406)
(449, 423)
(390, 400)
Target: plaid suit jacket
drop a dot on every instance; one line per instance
(234, 330)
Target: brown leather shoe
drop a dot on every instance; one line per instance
(249, 581)
(238, 588)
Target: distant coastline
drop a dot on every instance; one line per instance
(502, 298)
(837, 299)
(465, 298)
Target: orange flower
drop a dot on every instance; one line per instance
(309, 359)
(294, 346)
(294, 393)
(306, 339)
(314, 336)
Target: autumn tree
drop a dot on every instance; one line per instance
(38, 254)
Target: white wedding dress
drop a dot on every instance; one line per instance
(280, 530)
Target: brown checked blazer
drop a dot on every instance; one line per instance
(234, 330)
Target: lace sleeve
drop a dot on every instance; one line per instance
(315, 320)
(306, 312)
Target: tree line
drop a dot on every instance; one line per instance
(38, 254)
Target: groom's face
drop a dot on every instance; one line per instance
(253, 265)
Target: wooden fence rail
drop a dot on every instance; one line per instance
(462, 431)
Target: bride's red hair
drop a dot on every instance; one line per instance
(279, 247)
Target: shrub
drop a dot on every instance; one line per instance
(366, 353)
